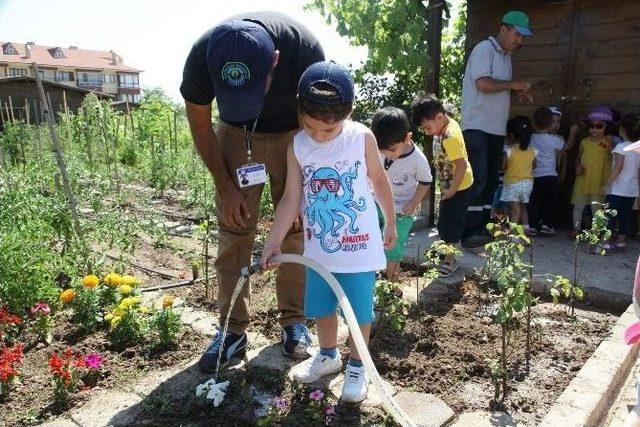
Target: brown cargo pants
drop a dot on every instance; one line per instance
(234, 246)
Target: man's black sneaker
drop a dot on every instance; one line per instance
(296, 340)
(234, 346)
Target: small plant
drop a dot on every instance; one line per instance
(497, 374)
(599, 232)
(108, 294)
(42, 322)
(565, 288)
(8, 324)
(65, 369)
(277, 411)
(165, 324)
(10, 361)
(85, 304)
(394, 310)
(320, 409)
(127, 324)
(435, 255)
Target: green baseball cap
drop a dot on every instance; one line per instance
(519, 20)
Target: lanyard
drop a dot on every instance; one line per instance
(248, 138)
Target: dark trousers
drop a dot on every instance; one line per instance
(543, 201)
(485, 155)
(451, 216)
(623, 206)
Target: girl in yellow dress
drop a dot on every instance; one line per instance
(593, 165)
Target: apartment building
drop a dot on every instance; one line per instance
(99, 71)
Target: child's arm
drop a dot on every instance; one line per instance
(460, 168)
(422, 191)
(286, 212)
(573, 136)
(617, 168)
(381, 189)
(579, 167)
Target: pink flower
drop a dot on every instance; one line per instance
(93, 361)
(40, 307)
(330, 411)
(316, 395)
(280, 403)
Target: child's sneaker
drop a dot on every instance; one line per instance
(354, 389)
(316, 367)
(531, 232)
(546, 230)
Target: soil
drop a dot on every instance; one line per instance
(443, 350)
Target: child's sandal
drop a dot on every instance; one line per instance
(448, 269)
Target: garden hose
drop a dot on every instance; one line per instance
(392, 407)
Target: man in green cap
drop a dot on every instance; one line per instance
(486, 100)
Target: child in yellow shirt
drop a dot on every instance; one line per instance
(518, 163)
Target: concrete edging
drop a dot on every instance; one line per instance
(589, 396)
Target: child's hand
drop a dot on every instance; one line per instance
(579, 169)
(390, 237)
(447, 194)
(270, 249)
(410, 208)
(575, 128)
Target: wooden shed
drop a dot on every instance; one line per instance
(19, 94)
(583, 52)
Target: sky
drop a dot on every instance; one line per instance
(150, 35)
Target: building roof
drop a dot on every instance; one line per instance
(71, 57)
(54, 84)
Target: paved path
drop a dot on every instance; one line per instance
(609, 279)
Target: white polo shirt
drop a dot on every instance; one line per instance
(487, 112)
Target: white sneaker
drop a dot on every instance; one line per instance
(316, 367)
(354, 389)
(547, 230)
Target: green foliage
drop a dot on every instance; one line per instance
(165, 325)
(564, 288)
(86, 308)
(388, 298)
(435, 255)
(599, 232)
(453, 58)
(12, 141)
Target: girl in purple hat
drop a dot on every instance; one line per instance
(593, 165)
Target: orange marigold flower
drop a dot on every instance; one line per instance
(67, 295)
(90, 281)
(167, 302)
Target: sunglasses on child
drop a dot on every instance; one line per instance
(596, 125)
(331, 184)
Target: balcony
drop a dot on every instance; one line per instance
(90, 84)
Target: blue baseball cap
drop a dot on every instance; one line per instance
(239, 59)
(332, 74)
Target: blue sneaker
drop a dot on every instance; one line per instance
(234, 346)
(296, 340)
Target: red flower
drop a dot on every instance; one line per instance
(7, 318)
(56, 363)
(10, 360)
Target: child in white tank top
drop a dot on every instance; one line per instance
(334, 172)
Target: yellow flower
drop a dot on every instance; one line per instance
(130, 280)
(126, 302)
(90, 281)
(108, 317)
(113, 280)
(144, 309)
(136, 300)
(115, 321)
(119, 312)
(124, 289)
(67, 295)
(167, 302)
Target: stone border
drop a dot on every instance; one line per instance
(588, 398)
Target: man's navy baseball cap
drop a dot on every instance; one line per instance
(239, 59)
(332, 74)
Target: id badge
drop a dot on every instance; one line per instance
(252, 174)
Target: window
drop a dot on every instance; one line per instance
(64, 76)
(128, 80)
(89, 79)
(15, 72)
(58, 54)
(41, 74)
(109, 78)
(8, 49)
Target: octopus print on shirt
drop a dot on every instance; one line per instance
(338, 210)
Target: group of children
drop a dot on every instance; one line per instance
(357, 191)
(606, 170)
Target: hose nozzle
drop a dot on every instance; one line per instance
(251, 269)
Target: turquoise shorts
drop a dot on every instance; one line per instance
(320, 301)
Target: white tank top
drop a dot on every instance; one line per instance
(339, 214)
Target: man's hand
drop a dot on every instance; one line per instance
(233, 208)
(520, 85)
(447, 194)
(525, 96)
